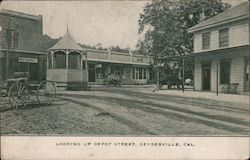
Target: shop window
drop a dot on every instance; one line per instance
(60, 60)
(206, 40)
(140, 73)
(112, 69)
(117, 70)
(124, 74)
(136, 73)
(83, 64)
(225, 71)
(223, 37)
(99, 73)
(74, 60)
(144, 73)
(133, 72)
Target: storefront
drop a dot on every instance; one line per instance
(31, 63)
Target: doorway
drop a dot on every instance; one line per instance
(33, 71)
(206, 76)
(91, 71)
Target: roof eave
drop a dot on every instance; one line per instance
(195, 29)
(79, 50)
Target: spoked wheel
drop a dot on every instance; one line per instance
(46, 92)
(18, 94)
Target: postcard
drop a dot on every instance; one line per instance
(124, 79)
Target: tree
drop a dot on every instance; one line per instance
(169, 20)
(48, 42)
(119, 49)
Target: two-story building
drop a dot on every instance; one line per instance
(20, 45)
(221, 50)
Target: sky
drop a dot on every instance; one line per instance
(110, 23)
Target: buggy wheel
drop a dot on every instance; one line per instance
(18, 94)
(46, 92)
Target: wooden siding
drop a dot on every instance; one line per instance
(238, 36)
(120, 57)
(97, 55)
(237, 68)
(197, 75)
(237, 72)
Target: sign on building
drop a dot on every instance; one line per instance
(98, 66)
(27, 60)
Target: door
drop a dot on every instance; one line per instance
(91, 71)
(33, 71)
(247, 75)
(206, 76)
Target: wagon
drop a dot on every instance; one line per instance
(112, 80)
(20, 91)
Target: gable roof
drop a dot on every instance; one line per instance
(235, 13)
(67, 42)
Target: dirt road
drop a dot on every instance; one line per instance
(125, 111)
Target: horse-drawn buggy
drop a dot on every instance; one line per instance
(112, 80)
(20, 91)
(171, 81)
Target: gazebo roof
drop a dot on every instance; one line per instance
(67, 42)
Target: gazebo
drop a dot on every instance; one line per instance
(67, 64)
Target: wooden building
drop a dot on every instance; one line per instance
(221, 51)
(20, 45)
(128, 67)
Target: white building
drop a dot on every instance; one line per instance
(221, 50)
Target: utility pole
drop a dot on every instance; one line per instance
(157, 75)
(8, 50)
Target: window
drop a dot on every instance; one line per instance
(14, 40)
(139, 73)
(206, 40)
(49, 60)
(60, 60)
(3, 42)
(74, 60)
(225, 71)
(136, 73)
(223, 37)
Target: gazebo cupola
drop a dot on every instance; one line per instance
(67, 63)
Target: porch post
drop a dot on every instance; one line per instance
(48, 59)
(193, 73)
(67, 59)
(52, 59)
(157, 75)
(86, 68)
(217, 76)
(183, 74)
(81, 55)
